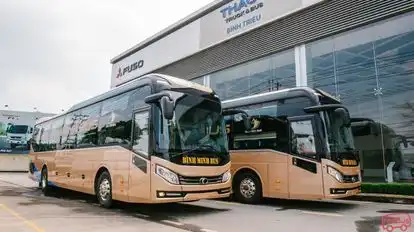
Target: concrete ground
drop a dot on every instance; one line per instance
(24, 209)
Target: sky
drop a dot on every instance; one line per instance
(56, 53)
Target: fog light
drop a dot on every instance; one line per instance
(161, 194)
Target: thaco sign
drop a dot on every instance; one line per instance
(239, 16)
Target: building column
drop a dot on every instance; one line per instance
(300, 65)
(207, 80)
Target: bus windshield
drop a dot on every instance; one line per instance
(340, 138)
(17, 129)
(196, 130)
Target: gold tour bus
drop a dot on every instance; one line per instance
(155, 139)
(291, 144)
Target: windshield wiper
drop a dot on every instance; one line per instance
(200, 146)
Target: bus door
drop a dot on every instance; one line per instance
(140, 169)
(304, 169)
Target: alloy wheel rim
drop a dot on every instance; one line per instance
(104, 189)
(247, 188)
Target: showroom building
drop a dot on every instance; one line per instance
(361, 51)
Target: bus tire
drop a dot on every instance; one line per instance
(44, 182)
(247, 188)
(104, 190)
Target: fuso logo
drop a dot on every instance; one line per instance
(132, 67)
(393, 221)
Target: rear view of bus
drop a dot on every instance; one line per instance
(155, 139)
(293, 144)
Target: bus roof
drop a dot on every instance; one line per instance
(44, 119)
(173, 82)
(274, 95)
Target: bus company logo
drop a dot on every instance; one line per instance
(130, 68)
(239, 8)
(203, 180)
(401, 221)
(255, 123)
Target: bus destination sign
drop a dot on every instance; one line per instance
(200, 160)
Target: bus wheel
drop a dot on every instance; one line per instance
(44, 182)
(104, 190)
(247, 188)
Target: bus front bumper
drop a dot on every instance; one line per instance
(335, 193)
(193, 195)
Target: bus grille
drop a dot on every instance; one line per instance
(200, 180)
(351, 178)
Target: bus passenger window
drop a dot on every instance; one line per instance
(303, 138)
(115, 121)
(267, 130)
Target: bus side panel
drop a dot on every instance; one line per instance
(139, 179)
(47, 158)
(116, 159)
(82, 171)
(63, 162)
(85, 164)
(305, 178)
(255, 160)
(278, 175)
(331, 183)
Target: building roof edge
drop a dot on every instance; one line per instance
(172, 28)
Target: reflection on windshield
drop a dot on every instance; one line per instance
(340, 136)
(17, 129)
(196, 128)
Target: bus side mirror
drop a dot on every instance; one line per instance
(244, 115)
(166, 101)
(344, 115)
(154, 98)
(167, 107)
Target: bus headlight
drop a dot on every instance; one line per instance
(336, 174)
(226, 176)
(167, 174)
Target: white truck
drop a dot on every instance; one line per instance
(19, 135)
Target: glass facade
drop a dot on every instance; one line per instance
(198, 80)
(270, 73)
(371, 70)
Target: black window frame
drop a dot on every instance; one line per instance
(319, 151)
(150, 128)
(131, 106)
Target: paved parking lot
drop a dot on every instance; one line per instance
(24, 209)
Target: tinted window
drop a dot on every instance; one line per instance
(88, 126)
(44, 137)
(138, 96)
(55, 133)
(267, 130)
(69, 130)
(141, 138)
(293, 106)
(303, 142)
(36, 138)
(115, 121)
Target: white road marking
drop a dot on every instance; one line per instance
(173, 223)
(226, 202)
(207, 230)
(322, 213)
